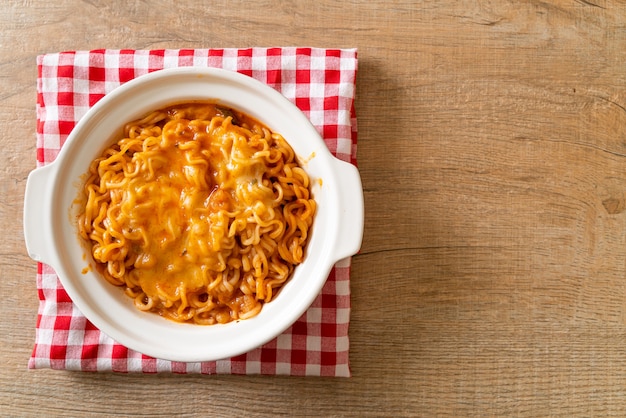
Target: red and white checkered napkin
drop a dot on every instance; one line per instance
(321, 82)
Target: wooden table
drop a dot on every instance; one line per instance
(492, 148)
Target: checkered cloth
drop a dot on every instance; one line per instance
(321, 82)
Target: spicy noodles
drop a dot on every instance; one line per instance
(199, 212)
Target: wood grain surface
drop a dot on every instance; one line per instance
(492, 149)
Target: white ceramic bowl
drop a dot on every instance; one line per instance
(51, 233)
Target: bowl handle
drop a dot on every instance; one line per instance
(37, 223)
(351, 217)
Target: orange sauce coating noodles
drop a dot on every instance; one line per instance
(199, 212)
